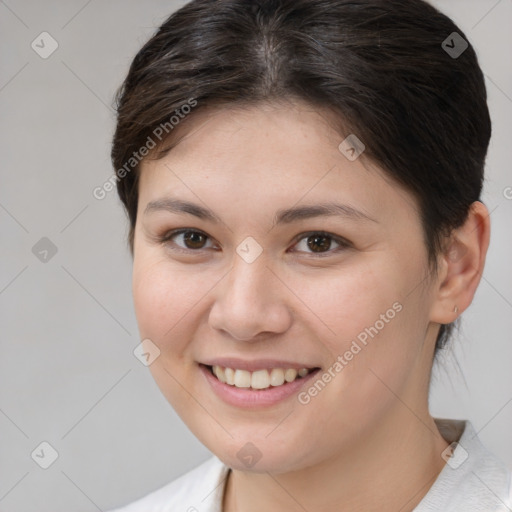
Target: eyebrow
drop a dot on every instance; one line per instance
(283, 216)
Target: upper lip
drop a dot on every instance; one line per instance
(255, 364)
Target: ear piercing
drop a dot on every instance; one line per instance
(455, 309)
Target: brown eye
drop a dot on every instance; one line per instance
(194, 240)
(186, 240)
(319, 243)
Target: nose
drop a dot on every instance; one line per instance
(251, 302)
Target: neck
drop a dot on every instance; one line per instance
(391, 469)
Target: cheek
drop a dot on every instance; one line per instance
(369, 322)
(149, 296)
(164, 300)
(344, 303)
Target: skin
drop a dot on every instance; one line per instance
(370, 428)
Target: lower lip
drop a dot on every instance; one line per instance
(250, 398)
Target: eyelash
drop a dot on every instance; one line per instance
(343, 244)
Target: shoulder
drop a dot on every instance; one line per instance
(199, 490)
(473, 479)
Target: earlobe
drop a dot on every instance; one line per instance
(461, 266)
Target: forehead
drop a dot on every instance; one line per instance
(268, 154)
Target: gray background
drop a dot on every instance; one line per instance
(68, 375)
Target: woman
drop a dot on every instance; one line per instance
(302, 180)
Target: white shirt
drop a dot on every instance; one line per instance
(472, 480)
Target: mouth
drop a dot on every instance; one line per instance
(259, 380)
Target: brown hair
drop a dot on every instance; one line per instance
(383, 66)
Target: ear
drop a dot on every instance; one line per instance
(461, 266)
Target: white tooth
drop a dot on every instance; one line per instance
(290, 374)
(219, 372)
(277, 377)
(229, 373)
(260, 379)
(242, 379)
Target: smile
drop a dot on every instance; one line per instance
(259, 379)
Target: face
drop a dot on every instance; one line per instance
(252, 286)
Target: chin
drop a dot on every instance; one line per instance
(260, 457)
